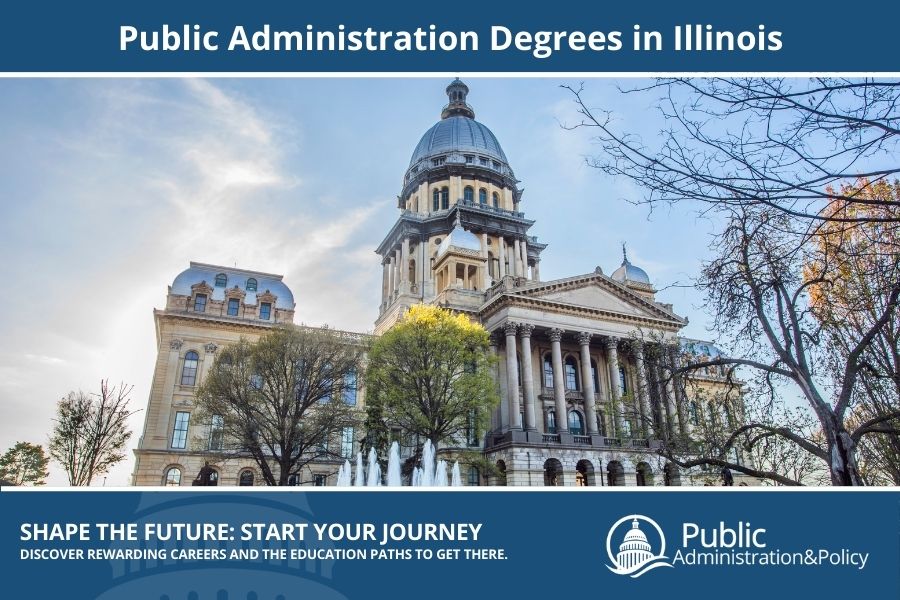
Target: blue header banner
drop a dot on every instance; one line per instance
(403, 37)
(268, 545)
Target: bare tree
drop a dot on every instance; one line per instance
(758, 293)
(282, 400)
(770, 143)
(91, 432)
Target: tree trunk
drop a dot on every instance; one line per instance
(842, 455)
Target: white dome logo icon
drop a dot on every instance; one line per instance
(635, 556)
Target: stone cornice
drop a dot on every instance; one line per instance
(578, 281)
(503, 300)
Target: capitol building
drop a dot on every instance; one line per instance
(585, 362)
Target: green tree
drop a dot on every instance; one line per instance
(24, 464)
(430, 375)
(91, 432)
(280, 400)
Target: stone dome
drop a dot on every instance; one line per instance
(629, 272)
(458, 140)
(458, 134)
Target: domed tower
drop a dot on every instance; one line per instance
(460, 229)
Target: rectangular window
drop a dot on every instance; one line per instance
(234, 306)
(350, 388)
(623, 381)
(200, 303)
(265, 311)
(347, 442)
(319, 479)
(180, 432)
(216, 432)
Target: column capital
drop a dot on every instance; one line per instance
(509, 328)
(525, 330)
(611, 342)
(584, 337)
(555, 334)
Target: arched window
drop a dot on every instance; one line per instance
(436, 200)
(251, 285)
(551, 421)
(246, 478)
(576, 423)
(552, 472)
(214, 478)
(221, 280)
(474, 476)
(644, 474)
(468, 194)
(496, 198)
(482, 196)
(445, 198)
(571, 370)
(172, 477)
(189, 371)
(694, 413)
(293, 480)
(548, 371)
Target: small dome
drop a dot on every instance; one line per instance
(629, 272)
(459, 238)
(635, 534)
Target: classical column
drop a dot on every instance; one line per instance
(398, 268)
(537, 270)
(517, 258)
(587, 382)
(684, 415)
(664, 376)
(392, 271)
(512, 376)
(527, 375)
(523, 248)
(498, 412)
(404, 261)
(643, 391)
(615, 392)
(501, 255)
(559, 383)
(385, 281)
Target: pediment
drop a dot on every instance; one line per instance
(596, 295)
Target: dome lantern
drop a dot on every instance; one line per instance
(457, 92)
(630, 273)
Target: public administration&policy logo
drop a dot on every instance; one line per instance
(635, 556)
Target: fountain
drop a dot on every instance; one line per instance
(344, 475)
(394, 478)
(427, 479)
(360, 474)
(440, 477)
(428, 474)
(374, 472)
(455, 479)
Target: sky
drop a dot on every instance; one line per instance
(110, 187)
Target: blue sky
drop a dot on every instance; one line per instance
(109, 187)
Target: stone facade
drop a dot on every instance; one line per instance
(585, 367)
